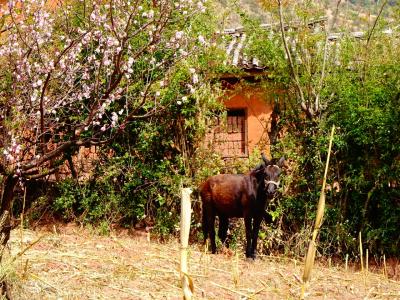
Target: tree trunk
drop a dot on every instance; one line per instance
(72, 167)
(273, 133)
(7, 195)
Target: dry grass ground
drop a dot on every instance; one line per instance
(72, 263)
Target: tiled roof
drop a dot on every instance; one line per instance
(238, 41)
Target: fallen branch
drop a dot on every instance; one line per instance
(230, 290)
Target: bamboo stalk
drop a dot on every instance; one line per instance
(384, 266)
(310, 257)
(206, 259)
(366, 261)
(22, 217)
(361, 252)
(235, 269)
(187, 283)
(347, 261)
(56, 289)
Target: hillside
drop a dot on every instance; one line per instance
(353, 15)
(73, 263)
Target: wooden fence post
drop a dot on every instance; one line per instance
(187, 283)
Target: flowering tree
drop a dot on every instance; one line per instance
(76, 73)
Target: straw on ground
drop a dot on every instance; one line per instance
(73, 263)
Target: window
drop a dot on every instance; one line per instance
(230, 139)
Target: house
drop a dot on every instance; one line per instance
(251, 110)
(252, 113)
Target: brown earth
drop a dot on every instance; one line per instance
(69, 262)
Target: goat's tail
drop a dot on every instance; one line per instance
(205, 199)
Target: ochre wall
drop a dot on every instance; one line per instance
(259, 106)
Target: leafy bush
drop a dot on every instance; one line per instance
(360, 94)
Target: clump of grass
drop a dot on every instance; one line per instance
(8, 267)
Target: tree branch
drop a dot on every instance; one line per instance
(295, 78)
(44, 88)
(43, 174)
(375, 23)
(49, 155)
(322, 78)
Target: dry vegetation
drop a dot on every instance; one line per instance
(69, 262)
(357, 16)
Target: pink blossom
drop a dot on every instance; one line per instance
(77, 63)
(179, 35)
(195, 79)
(201, 40)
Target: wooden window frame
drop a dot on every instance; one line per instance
(239, 112)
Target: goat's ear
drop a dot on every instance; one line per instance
(265, 159)
(259, 171)
(281, 162)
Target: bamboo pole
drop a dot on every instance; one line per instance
(187, 283)
(22, 217)
(361, 252)
(310, 257)
(235, 269)
(384, 266)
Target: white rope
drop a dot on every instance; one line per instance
(273, 182)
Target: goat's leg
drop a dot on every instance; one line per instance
(211, 231)
(205, 225)
(208, 226)
(247, 223)
(256, 228)
(223, 228)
